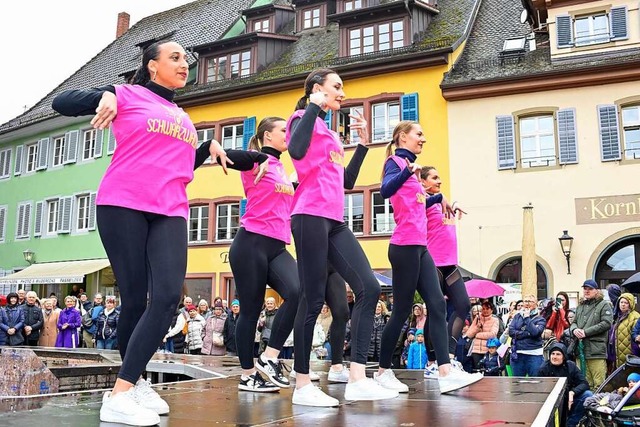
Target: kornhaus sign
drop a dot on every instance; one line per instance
(594, 210)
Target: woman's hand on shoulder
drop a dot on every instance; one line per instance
(106, 111)
(261, 171)
(319, 98)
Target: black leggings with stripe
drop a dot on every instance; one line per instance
(413, 269)
(148, 255)
(320, 241)
(256, 261)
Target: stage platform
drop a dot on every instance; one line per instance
(494, 401)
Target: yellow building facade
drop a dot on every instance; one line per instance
(208, 271)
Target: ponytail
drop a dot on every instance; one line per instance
(254, 144)
(316, 76)
(142, 76)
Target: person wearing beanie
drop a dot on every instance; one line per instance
(411, 337)
(195, 331)
(621, 332)
(229, 331)
(577, 389)
(12, 321)
(417, 358)
(594, 317)
(614, 291)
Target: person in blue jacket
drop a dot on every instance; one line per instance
(492, 364)
(417, 352)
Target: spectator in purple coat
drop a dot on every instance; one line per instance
(68, 324)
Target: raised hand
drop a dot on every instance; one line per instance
(216, 151)
(359, 124)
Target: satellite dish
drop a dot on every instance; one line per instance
(523, 16)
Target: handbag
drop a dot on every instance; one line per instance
(217, 339)
(16, 339)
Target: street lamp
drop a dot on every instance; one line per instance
(566, 242)
(29, 256)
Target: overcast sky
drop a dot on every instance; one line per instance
(46, 41)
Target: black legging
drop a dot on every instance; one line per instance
(456, 292)
(148, 254)
(256, 261)
(413, 269)
(320, 241)
(336, 299)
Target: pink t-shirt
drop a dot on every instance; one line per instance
(320, 174)
(268, 209)
(409, 204)
(441, 237)
(154, 157)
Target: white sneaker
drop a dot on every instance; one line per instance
(338, 376)
(256, 383)
(389, 381)
(312, 375)
(456, 380)
(431, 371)
(311, 395)
(124, 409)
(273, 369)
(149, 398)
(368, 389)
(456, 365)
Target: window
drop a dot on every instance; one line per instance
(261, 25)
(385, 117)
(631, 132)
(354, 212)
(198, 224)
(311, 18)
(348, 136)
(198, 289)
(352, 5)
(52, 216)
(232, 136)
(203, 136)
(5, 164)
(3, 223)
(82, 212)
(228, 221)
(23, 221)
(537, 141)
(381, 214)
(374, 38)
(511, 272)
(89, 144)
(57, 154)
(230, 66)
(32, 157)
(591, 29)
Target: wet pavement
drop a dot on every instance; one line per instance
(494, 401)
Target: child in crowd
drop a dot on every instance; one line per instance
(607, 402)
(417, 352)
(411, 337)
(492, 364)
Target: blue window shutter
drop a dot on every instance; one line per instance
(609, 133)
(327, 118)
(564, 31)
(249, 129)
(409, 107)
(506, 140)
(618, 23)
(567, 140)
(243, 207)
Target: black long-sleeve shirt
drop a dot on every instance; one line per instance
(84, 103)
(301, 133)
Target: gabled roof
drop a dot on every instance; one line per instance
(195, 23)
(499, 20)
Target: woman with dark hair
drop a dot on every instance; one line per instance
(321, 236)
(412, 266)
(142, 211)
(443, 247)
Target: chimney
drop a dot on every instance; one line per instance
(123, 23)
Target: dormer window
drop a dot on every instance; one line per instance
(311, 18)
(352, 5)
(261, 25)
(230, 66)
(376, 37)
